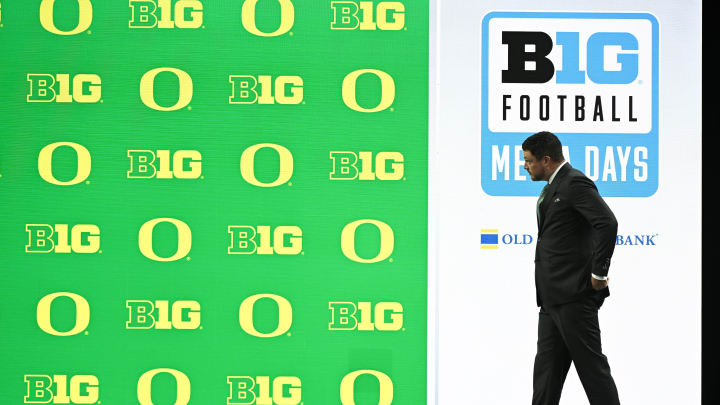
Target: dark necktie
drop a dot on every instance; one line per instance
(540, 200)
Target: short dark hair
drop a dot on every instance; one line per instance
(544, 143)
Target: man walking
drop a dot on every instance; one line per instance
(576, 239)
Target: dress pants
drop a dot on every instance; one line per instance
(570, 333)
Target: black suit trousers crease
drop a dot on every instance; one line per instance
(570, 333)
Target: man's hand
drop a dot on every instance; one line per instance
(598, 284)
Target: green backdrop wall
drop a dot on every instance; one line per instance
(279, 258)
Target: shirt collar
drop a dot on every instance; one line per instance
(552, 176)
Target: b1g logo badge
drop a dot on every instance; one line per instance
(383, 316)
(263, 390)
(62, 238)
(148, 164)
(162, 314)
(264, 240)
(368, 15)
(166, 14)
(590, 78)
(388, 165)
(61, 389)
(265, 89)
(63, 88)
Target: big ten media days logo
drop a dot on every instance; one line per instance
(493, 238)
(365, 316)
(64, 88)
(368, 15)
(348, 165)
(61, 389)
(591, 78)
(163, 314)
(166, 14)
(164, 164)
(265, 240)
(264, 390)
(62, 238)
(264, 89)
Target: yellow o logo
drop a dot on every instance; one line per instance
(85, 14)
(387, 90)
(45, 163)
(247, 165)
(82, 314)
(147, 83)
(145, 239)
(284, 315)
(287, 18)
(144, 387)
(347, 240)
(347, 386)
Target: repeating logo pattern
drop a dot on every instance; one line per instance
(216, 200)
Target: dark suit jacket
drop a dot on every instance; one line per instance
(576, 237)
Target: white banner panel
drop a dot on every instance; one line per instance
(485, 226)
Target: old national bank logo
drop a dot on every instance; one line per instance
(591, 78)
(637, 239)
(493, 238)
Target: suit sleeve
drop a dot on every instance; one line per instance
(588, 202)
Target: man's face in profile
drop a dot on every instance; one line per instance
(534, 166)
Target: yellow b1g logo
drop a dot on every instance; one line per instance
(60, 238)
(388, 166)
(46, 88)
(56, 389)
(262, 240)
(261, 390)
(366, 15)
(146, 164)
(287, 89)
(144, 314)
(183, 14)
(386, 316)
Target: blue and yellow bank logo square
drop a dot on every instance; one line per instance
(488, 239)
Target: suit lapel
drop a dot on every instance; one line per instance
(550, 192)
